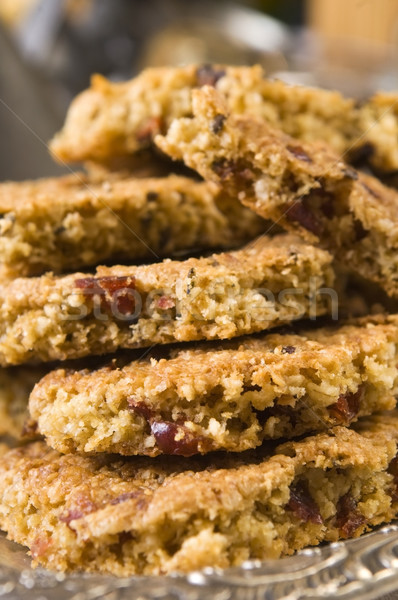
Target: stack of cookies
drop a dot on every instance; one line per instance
(169, 429)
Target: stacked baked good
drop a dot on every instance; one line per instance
(180, 432)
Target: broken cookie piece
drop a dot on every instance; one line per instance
(268, 283)
(68, 223)
(156, 516)
(303, 187)
(111, 121)
(230, 396)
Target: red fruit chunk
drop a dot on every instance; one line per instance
(82, 505)
(165, 302)
(348, 518)
(302, 505)
(300, 213)
(115, 292)
(40, 546)
(347, 406)
(171, 437)
(393, 469)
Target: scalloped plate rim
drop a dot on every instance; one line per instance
(330, 571)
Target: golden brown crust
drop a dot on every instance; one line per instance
(116, 119)
(270, 282)
(67, 223)
(148, 516)
(303, 187)
(223, 397)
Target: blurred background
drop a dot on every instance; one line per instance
(49, 49)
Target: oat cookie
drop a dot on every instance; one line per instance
(269, 282)
(303, 187)
(68, 223)
(155, 516)
(223, 397)
(111, 120)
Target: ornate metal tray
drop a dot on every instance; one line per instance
(365, 568)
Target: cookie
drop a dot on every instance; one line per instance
(223, 397)
(304, 187)
(112, 120)
(68, 223)
(154, 516)
(270, 282)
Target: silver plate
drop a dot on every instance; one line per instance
(364, 568)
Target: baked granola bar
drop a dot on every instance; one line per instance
(223, 397)
(302, 187)
(67, 223)
(270, 282)
(155, 516)
(110, 120)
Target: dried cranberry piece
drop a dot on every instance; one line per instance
(113, 284)
(165, 302)
(114, 291)
(82, 505)
(171, 438)
(348, 518)
(347, 406)
(225, 168)
(149, 129)
(393, 469)
(125, 304)
(302, 214)
(89, 284)
(208, 75)
(139, 495)
(299, 153)
(302, 504)
(39, 546)
(126, 496)
(71, 515)
(141, 409)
